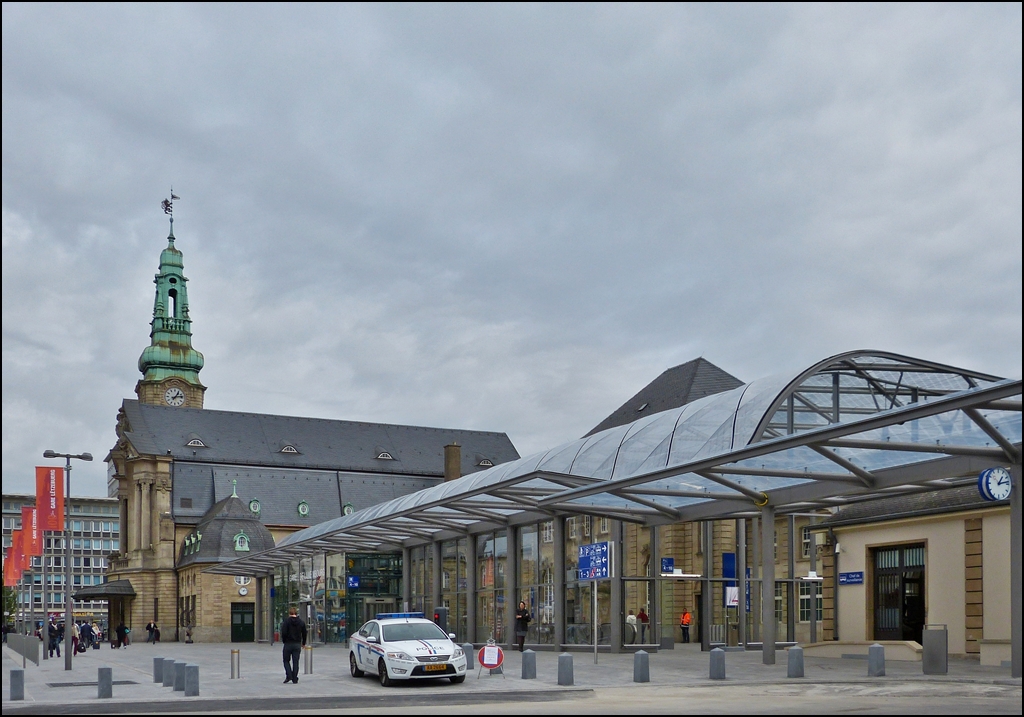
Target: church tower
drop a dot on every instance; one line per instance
(170, 366)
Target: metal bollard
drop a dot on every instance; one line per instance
(935, 650)
(168, 673)
(158, 669)
(236, 664)
(876, 661)
(179, 676)
(795, 664)
(718, 664)
(191, 680)
(17, 684)
(641, 666)
(105, 683)
(307, 660)
(470, 652)
(565, 670)
(529, 665)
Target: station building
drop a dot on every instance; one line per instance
(756, 507)
(194, 487)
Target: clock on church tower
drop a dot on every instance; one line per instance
(170, 366)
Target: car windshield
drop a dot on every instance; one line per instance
(413, 631)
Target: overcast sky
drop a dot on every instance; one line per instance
(507, 217)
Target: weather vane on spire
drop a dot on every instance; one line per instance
(168, 204)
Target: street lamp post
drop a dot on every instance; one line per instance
(69, 612)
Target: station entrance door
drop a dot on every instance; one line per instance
(370, 607)
(899, 592)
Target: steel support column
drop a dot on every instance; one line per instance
(616, 596)
(791, 604)
(767, 586)
(1015, 570)
(559, 582)
(706, 603)
(511, 583)
(471, 569)
(406, 579)
(741, 576)
(816, 585)
(435, 578)
(755, 586)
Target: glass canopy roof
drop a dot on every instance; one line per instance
(850, 427)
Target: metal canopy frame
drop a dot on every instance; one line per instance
(856, 426)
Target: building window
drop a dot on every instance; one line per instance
(806, 589)
(571, 524)
(242, 580)
(775, 547)
(547, 532)
(779, 603)
(805, 541)
(587, 522)
(605, 526)
(241, 543)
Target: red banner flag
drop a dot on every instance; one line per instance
(31, 541)
(14, 566)
(50, 497)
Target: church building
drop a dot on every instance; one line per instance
(197, 486)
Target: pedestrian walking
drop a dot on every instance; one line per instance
(523, 618)
(631, 624)
(54, 638)
(293, 635)
(644, 623)
(76, 635)
(150, 629)
(684, 624)
(122, 635)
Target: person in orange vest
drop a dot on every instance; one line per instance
(684, 624)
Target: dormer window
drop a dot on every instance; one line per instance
(241, 543)
(385, 456)
(196, 443)
(289, 449)
(485, 463)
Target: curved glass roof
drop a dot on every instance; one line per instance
(828, 429)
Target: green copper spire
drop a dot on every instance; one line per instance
(170, 353)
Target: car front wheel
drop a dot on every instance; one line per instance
(382, 673)
(353, 666)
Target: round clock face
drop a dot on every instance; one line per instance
(174, 396)
(996, 484)
(243, 591)
(348, 509)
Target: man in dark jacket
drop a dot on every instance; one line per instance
(293, 635)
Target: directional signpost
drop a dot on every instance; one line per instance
(595, 563)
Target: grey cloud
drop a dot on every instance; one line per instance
(499, 217)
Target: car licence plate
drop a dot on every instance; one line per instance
(435, 668)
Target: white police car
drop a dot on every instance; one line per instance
(405, 646)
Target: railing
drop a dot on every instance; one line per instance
(25, 645)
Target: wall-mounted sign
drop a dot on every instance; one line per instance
(352, 582)
(668, 565)
(856, 578)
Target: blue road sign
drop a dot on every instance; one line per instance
(668, 565)
(353, 582)
(856, 578)
(594, 561)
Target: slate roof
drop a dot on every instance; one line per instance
(951, 500)
(281, 490)
(113, 588)
(675, 387)
(257, 439)
(226, 519)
